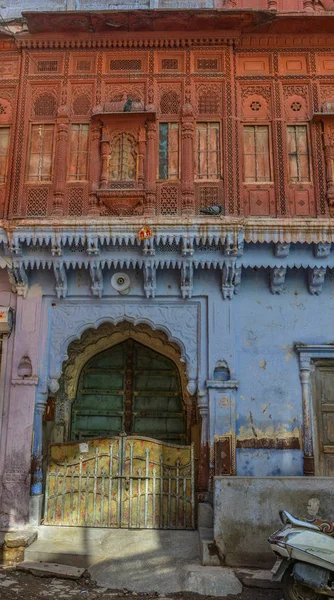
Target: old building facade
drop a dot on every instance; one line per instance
(166, 198)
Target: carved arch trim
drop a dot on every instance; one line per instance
(106, 336)
(180, 324)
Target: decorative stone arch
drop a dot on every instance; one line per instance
(106, 336)
(179, 323)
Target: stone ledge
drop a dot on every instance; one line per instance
(16, 539)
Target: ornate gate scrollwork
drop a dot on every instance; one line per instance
(128, 482)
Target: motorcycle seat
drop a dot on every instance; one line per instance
(326, 527)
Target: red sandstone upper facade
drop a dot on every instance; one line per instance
(164, 113)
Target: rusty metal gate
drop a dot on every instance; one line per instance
(129, 482)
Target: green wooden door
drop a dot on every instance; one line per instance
(133, 389)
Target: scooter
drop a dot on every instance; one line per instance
(306, 558)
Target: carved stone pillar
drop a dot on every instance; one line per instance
(94, 168)
(141, 155)
(105, 157)
(151, 171)
(305, 376)
(329, 160)
(204, 460)
(37, 453)
(308, 5)
(60, 164)
(187, 153)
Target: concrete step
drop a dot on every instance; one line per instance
(208, 549)
(83, 546)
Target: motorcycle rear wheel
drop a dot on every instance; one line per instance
(292, 590)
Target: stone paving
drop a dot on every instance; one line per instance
(15, 585)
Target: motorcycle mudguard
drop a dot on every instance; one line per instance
(311, 575)
(283, 567)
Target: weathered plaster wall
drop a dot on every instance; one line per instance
(269, 396)
(246, 512)
(28, 340)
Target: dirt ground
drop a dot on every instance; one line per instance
(15, 585)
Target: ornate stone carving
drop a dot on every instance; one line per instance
(150, 283)
(324, 4)
(329, 160)
(96, 276)
(187, 273)
(18, 279)
(231, 277)
(61, 279)
(277, 279)
(316, 279)
(282, 249)
(322, 250)
(187, 247)
(179, 322)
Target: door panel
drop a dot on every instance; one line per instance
(129, 388)
(325, 418)
(129, 482)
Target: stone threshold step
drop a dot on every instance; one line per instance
(46, 569)
(257, 578)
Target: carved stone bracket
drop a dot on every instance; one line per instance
(282, 249)
(316, 279)
(18, 279)
(187, 274)
(322, 250)
(277, 279)
(148, 247)
(234, 246)
(61, 280)
(96, 275)
(56, 250)
(150, 281)
(231, 278)
(92, 247)
(187, 246)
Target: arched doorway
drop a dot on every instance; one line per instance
(130, 389)
(129, 459)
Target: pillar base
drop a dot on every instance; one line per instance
(36, 504)
(309, 466)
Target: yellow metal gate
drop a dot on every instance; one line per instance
(130, 482)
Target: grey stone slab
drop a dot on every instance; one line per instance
(211, 581)
(7, 582)
(44, 569)
(257, 579)
(18, 539)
